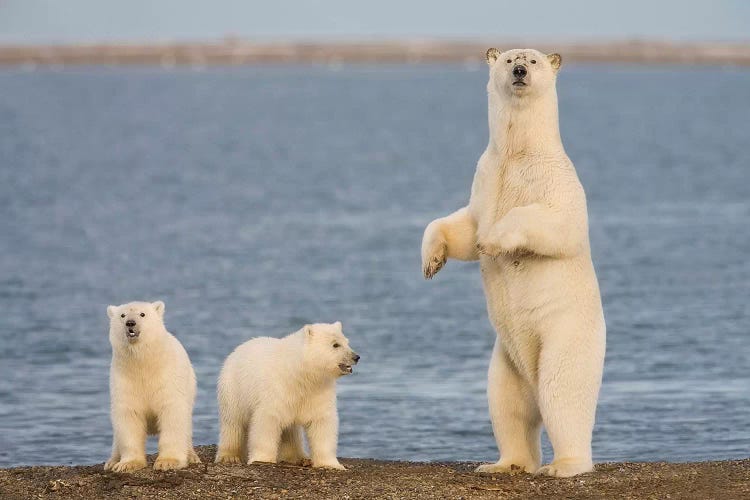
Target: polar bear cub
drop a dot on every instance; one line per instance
(271, 389)
(152, 390)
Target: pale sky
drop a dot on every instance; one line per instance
(45, 21)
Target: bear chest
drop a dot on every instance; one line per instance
(497, 191)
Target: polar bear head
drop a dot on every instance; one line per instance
(521, 72)
(135, 322)
(327, 351)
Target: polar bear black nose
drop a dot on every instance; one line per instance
(355, 357)
(519, 71)
(130, 323)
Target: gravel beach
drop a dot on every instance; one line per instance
(378, 479)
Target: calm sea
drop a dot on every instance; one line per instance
(256, 199)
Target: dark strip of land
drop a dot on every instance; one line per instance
(378, 479)
(232, 51)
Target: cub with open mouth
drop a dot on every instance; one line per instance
(152, 388)
(270, 390)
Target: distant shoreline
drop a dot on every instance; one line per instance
(234, 51)
(378, 479)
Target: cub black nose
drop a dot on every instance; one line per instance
(519, 71)
(356, 358)
(130, 323)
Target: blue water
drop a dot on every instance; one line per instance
(256, 199)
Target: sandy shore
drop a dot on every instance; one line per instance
(378, 479)
(233, 51)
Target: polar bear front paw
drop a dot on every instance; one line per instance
(129, 466)
(228, 459)
(169, 463)
(566, 468)
(193, 457)
(506, 467)
(434, 259)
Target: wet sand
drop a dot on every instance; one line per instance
(378, 479)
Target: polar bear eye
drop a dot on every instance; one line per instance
(533, 61)
(336, 346)
(122, 315)
(509, 61)
(143, 315)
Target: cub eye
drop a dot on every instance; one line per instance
(336, 346)
(143, 315)
(509, 61)
(122, 315)
(533, 61)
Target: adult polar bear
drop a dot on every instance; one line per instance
(526, 223)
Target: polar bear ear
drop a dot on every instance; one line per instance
(159, 308)
(111, 311)
(308, 331)
(555, 61)
(338, 325)
(492, 55)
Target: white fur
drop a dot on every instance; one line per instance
(152, 390)
(527, 224)
(271, 389)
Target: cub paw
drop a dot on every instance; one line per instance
(193, 457)
(129, 466)
(228, 459)
(168, 463)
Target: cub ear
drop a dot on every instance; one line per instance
(492, 55)
(555, 61)
(338, 325)
(308, 331)
(159, 308)
(111, 311)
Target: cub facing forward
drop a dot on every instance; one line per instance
(152, 390)
(527, 224)
(271, 389)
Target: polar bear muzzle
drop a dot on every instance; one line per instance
(131, 330)
(345, 368)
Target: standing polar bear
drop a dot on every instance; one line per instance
(526, 223)
(152, 390)
(270, 389)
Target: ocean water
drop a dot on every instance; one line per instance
(253, 200)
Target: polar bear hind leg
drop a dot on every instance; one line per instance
(263, 438)
(291, 449)
(232, 441)
(516, 421)
(569, 380)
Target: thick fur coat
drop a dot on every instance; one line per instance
(152, 390)
(527, 224)
(271, 390)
